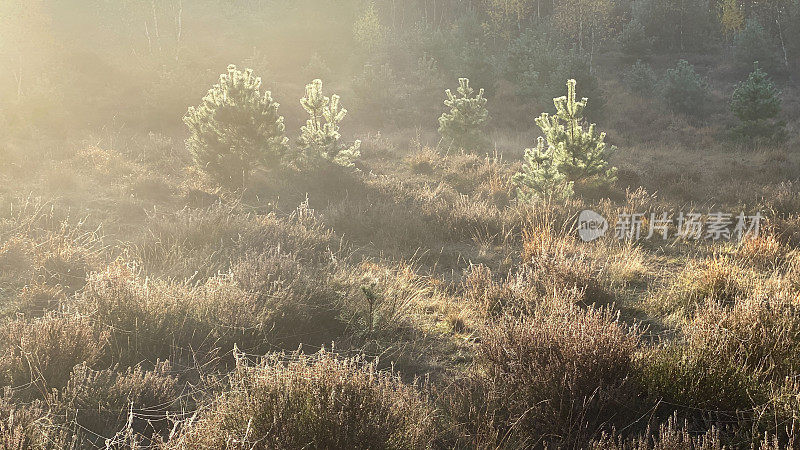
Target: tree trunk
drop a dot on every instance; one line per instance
(783, 44)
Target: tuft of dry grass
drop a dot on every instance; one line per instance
(318, 401)
(38, 354)
(545, 378)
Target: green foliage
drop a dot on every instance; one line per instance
(677, 24)
(475, 63)
(578, 155)
(640, 78)
(319, 138)
(538, 64)
(236, 128)
(756, 103)
(633, 40)
(540, 177)
(684, 91)
(751, 45)
(463, 125)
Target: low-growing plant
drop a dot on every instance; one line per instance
(312, 401)
(545, 379)
(102, 401)
(38, 354)
(733, 359)
(236, 128)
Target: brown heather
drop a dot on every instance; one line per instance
(320, 401)
(412, 301)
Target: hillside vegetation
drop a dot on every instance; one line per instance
(256, 224)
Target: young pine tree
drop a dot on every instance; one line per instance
(463, 125)
(319, 138)
(684, 91)
(540, 177)
(235, 128)
(573, 154)
(581, 155)
(756, 103)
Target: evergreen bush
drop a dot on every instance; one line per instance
(236, 128)
(463, 125)
(752, 44)
(573, 154)
(633, 40)
(756, 103)
(684, 91)
(640, 78)
(538, 64)
(319, 138)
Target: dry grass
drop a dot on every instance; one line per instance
(550, 377)
(317, 401)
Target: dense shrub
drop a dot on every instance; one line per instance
(103, 401)
(733, 359)
(199, 320)
(545, 379)
(684, 91)
(38, 354)
(554, 266)
(463, 125)
(236, 128)
(756, 103)
(314, 401)
(640, 78)
(193, 322)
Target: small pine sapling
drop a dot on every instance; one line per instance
(463, 125)
(684, 91)
(756, 103)
(540, 177)
(319, 138)
(581, 155)
(571, 155)
(236, 128)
